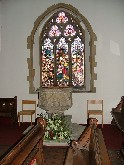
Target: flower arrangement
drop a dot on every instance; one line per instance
(57, 128)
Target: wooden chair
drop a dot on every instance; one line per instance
(95, 107)
(28, 108)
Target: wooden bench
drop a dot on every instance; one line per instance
(118, 119)
(8, 108)
(118, 114)
(29, 148)
(89, 149)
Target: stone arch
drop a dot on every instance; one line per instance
(30, 42)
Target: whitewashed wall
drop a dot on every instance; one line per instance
(0, 27)
(106, 18)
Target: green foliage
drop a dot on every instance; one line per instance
(57, 128)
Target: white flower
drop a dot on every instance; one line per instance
(57, 129)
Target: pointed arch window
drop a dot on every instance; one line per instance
(65, 42)
(62, 43)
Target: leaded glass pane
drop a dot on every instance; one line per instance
(47, 69)
(77, 51)
(54, 31)
(62, 48)
(61, 18)
(69, 31)
(62, 44)
(62, 68)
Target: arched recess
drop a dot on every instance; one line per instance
(32, 44)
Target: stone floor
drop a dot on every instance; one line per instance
(77, 131)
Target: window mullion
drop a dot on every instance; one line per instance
(55, 66)
(70, 64)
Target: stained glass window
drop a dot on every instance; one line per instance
(62, 52)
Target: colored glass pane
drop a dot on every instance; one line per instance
(47, 69)
(61, 18)
(54, 31)
(77, 50)
(69, 31)
(63, 44)
(62, 68)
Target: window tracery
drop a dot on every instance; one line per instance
(62, 52)
(54, 43)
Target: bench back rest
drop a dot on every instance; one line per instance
(89, 148)
(28, 148)
(8, 107)
(98, 153)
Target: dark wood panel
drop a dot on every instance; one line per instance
(8, 108)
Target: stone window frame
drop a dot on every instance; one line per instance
(93, 38)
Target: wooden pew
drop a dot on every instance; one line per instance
(89, 149)
(118, 118)
(118, 114)
(8, 108)
(29, 148)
